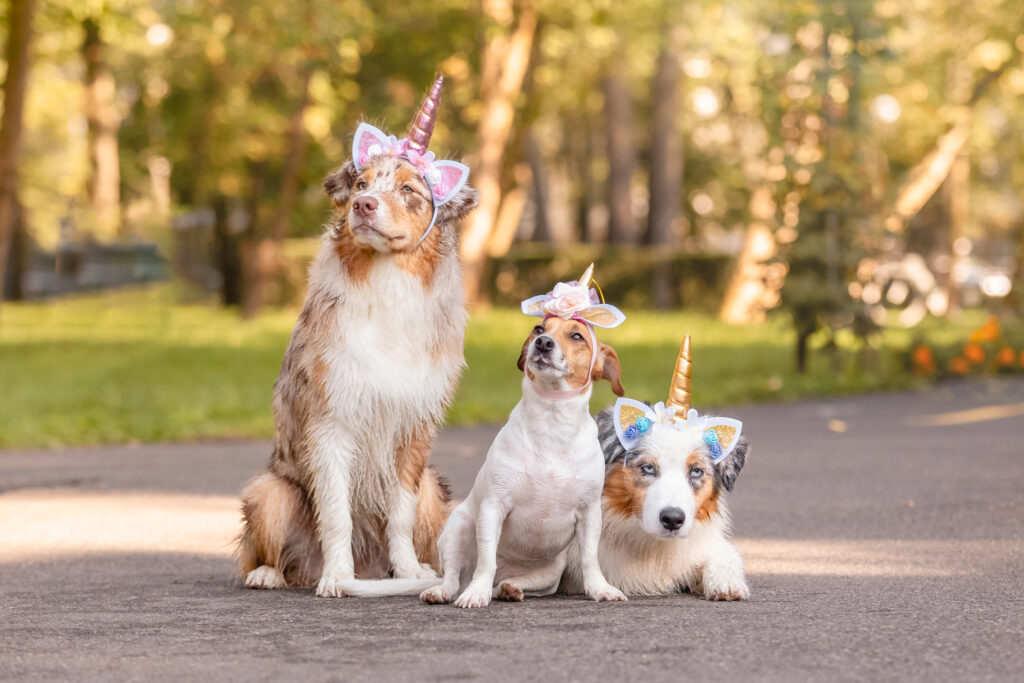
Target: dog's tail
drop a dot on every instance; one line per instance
(383, 588)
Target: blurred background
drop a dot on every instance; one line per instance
(827, 195)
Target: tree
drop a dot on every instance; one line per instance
(103, 120)
(505, 58)
(19, 38)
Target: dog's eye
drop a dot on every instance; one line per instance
(361, 185)
(539, 329)
(576, 336)
(406, 188)
(648, 469)
(696, 472)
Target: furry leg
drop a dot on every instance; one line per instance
(723, 577)
(332, 457)
(457, 550)
(401, 520)
(488, 532)
(588, 535)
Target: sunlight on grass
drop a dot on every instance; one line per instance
(136, 366)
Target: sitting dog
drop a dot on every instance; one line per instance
(666, 524)
(540, 486)
(373, 362)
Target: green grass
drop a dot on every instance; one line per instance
(136, 366)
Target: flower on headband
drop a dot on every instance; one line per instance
(567, 299)
(421, 161)
(711, 437)
(631, 432)
(643, 424)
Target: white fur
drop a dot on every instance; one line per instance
(642, 558)
(381, 384)
(537, 492)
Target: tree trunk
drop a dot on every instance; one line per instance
(19, 35)
(264, 258)
(959, 183)
(666, 167)
(104, 183)
(621, 158)
(666, 149)
(504, 63)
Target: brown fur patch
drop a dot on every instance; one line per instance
(411, 458)
(432, 510)
(279, 530)
(356, 258)
(510, 592)
(707, 495)
(624, 490)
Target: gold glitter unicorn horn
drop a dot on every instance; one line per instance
(679, 391)
(422, 126)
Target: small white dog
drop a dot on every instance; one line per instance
(540, 486)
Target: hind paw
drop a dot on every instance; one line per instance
(265, 578)
(510, 592)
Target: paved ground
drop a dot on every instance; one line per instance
(882, 534)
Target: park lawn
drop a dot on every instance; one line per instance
(134, 365)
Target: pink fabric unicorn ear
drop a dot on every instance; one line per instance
(367, 137)
(451, 176)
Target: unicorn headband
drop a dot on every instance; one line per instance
(575, 301)
(444, 178)
(633, 419)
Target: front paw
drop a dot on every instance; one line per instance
(605, 591)
(414, 571)
(330, 584)
(475, 595)
(726, 589)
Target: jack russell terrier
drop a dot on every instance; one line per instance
(539, 490)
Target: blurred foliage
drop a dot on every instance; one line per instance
(770, 88)
(135, 366)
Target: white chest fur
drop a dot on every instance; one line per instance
(396, 346)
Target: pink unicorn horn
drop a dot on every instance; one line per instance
(422, 126)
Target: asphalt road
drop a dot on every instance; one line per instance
(882, 536)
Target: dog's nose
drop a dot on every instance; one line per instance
(364, 206)
(544, 344)
(672, 518)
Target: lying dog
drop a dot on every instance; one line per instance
(540, 486)
(372, 364)
(666, 524)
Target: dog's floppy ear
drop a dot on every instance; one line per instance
(459, 206)
(728, 468)
(521, 363)
(607, 367)
(338, 183)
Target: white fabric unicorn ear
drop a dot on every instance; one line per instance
(602, 315)
(535, 305)
(451, 177)
(721, 434)
(632, 420)
(366, 138)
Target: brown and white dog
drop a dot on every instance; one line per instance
(666, 525)
(372, 365)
